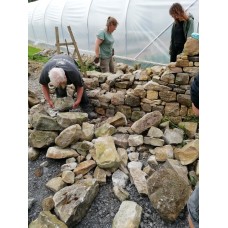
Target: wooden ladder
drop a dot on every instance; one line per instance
(58, 44)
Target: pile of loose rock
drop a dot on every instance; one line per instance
(95, 151)
(135, 105)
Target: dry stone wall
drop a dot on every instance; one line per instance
(135, 92)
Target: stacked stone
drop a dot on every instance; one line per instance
(135, 93)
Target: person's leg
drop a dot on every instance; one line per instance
(177, 49)
(87, 107)
(60, 92)
(173, 56)
(111, 65)
(104, 65)
(85, 100)
(193, 208)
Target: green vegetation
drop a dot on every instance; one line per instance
(34, 54)
(191, 119)
(193, 180)
(171, 123)
(88, 66)
(185, 119)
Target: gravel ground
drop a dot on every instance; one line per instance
(105, 205)
(36, 184)
(103, 208)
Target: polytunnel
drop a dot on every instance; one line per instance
(142, 35)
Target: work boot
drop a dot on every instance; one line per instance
(92, 115)
(89, 111)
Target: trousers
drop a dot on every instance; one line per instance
(107, 65)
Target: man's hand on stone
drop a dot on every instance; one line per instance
(75, 105)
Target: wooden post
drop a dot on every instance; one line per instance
(57, 40)
(67, 47)
(77, 51)
(58, 44)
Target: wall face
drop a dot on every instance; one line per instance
(143, 32)
(137, 92)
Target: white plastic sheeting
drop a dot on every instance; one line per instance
(143, 33)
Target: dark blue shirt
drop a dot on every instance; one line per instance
(68, 65)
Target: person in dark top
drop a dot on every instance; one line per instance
(183, 27)
(193, 201)
(61, 70)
